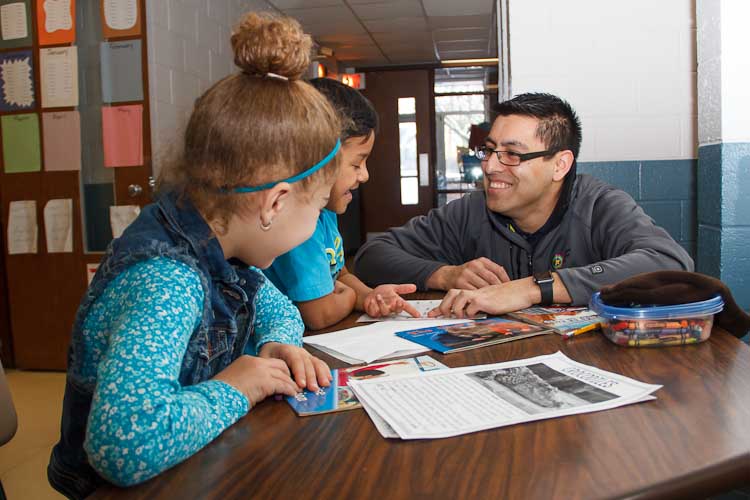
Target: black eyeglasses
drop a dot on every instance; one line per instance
(509, 158)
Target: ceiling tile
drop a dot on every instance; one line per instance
(372, 11)
(464, 54)
(463, 45)
(442, 22)
(460, 34)
(332, 16)
(397, 24)
(299, 4)
(403, 36)
(453, 8)
(337, 29)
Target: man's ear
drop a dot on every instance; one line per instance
(563, 164)
(274, 201)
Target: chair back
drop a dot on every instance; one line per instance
(8, 419)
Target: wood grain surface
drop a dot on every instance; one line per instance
(693, 441)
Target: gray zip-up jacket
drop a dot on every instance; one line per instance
(602, 238)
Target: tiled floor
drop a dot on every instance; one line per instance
(23, 461)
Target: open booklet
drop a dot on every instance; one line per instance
(422, 306)
(565, 320)
(338, 396)
(458, 401)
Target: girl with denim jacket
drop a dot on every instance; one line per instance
(179, 335)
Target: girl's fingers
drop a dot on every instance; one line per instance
(323, 373)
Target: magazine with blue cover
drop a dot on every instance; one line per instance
(472, 334)
(339, 397)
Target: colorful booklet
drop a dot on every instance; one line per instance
(473, 334)
(338, 396)
(567, 321)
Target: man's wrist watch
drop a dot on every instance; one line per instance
(545, 282)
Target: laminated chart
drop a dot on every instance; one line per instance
(120, 18)
(59, 76)
(16, 81)
(15, 24)
(56, 21)
(22, 227)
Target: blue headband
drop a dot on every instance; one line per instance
(307, 173)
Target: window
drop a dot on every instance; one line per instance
(407, 128)
(463, 98)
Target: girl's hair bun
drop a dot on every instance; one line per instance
(269, 43)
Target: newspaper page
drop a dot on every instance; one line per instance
(463, 400)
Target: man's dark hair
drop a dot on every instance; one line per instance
(357, 114)
(559, 127)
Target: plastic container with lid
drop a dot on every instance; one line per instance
(658, 325)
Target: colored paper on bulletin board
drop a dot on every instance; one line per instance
(59, 79)
(56, 21)
(16, 81)
(58, 225)
(61, 133)
(120, 18)
(21, 143)
(122, 129)
(15, 24)
(22, 227)
(122, 79)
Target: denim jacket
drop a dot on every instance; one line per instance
(163, 229)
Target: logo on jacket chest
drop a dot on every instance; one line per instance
(558, 259)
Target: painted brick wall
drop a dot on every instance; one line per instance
(629, 70)
(188, 50)
(664, 188)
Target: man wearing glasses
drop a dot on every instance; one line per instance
(538, 234)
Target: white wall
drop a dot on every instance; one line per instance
(188, 50)
(628, 68)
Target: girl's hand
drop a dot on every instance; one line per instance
(308, 371)
(258, 378)
(385, 300)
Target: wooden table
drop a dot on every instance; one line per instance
(693, 441)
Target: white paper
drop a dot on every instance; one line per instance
(14, 24)
(120, 217)
(422, 306)
(22, 227)
(120, 14)
(365, 344)
(57, 15)
(59, 76)
(474, 398)
(58, 225)
(17, 82)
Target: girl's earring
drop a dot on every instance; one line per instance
(265, 227)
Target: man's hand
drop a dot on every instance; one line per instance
(385, 300)
(496, 299)
(477, 273)
(308, 371)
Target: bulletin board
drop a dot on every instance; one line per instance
(73, 97)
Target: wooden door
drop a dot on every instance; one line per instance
(383, 204)
(44, 288)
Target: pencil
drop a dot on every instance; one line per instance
(583, 329)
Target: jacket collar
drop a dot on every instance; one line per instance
(188, 223)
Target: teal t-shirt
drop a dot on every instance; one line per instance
(308, 271)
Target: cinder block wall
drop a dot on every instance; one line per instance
(629, 70)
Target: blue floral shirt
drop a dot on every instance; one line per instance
(142, 421)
